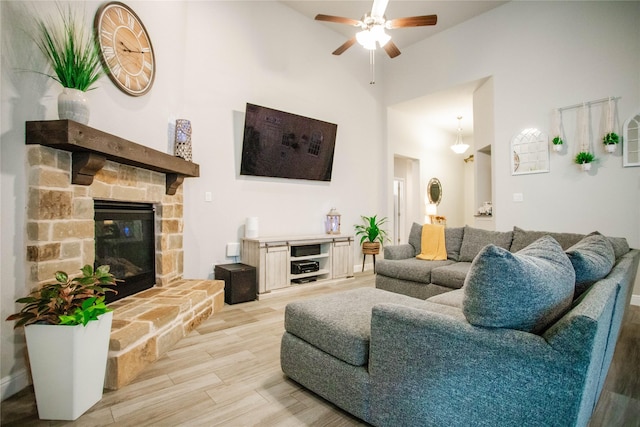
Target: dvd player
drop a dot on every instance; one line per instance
(300, 267)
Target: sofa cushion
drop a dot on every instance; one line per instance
(413, 269)
(474, 239)
(451, 276)
(452, 299)
(620, 246)
(592, 259)
(340, 324)
(527, 290)
(452, 240)
(523, 238)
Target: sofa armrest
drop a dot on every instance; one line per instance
(403, 251)
(434, 368)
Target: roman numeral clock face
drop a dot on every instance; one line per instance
(126, 49)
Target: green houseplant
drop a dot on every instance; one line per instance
(74, 57)
(557, 143)
(371, 235)
(610, 140)
(585, 158)
(67, 329)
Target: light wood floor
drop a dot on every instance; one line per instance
(227, 373)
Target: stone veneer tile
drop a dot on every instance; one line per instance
(200, 317)
(123, 369)
(45, 271)
(39, 155)
(71, 249)
(149, 293)
(44, 252)
(49, 204)
(210, 286)
(81, 229)
(106, 176)
(128, 335)
(119, 192)
(38, 231)
(49, 178)
(83, 208)
(169, 338)
(160, 316)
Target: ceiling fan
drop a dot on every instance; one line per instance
(373, 26)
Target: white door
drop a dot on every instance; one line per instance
(399, 208)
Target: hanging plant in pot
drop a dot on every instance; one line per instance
(557, 143)
(67, 329)
(584, 159)
(75, 60)
(371, 235)
(610, 140)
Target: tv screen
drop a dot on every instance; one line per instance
(284, 145)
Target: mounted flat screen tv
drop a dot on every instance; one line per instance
(284, 145)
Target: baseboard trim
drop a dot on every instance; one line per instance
(635, 299)
(12, 384)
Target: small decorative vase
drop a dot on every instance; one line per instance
(586, 166)
(183, 139)
(73, 105)
(611, 148)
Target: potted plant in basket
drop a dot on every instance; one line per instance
(74, 57)
(67, 328)
(584, 159)
(610, 140)
(371, 235)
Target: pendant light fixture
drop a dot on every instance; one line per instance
(459, 147)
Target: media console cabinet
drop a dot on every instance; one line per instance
(273, 258)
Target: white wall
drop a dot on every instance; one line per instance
(212, 58)
(410, 136)
(543, 55)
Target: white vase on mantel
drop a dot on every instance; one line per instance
(611, 148)
(73, 105)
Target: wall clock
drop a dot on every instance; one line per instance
(125, 48)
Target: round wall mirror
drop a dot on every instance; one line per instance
(434, 191)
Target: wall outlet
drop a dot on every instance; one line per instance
(208, 197)
(518, 197)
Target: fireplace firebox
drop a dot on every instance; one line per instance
(125, 240)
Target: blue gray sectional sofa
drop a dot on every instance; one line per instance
(518, 329)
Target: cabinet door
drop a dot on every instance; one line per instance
(276, 271)
(341, 259)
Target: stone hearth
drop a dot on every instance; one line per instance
(149, 323)
(60, 236)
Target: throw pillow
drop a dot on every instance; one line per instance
(592, 259)
(527, 290)
(474, 239)
(415, 238)
(453, 241)
(523, 238)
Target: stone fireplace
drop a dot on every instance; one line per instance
(63, 184)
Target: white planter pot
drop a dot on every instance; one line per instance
(73, 105)
(557, 147)
(586, 166)
(611, 148)
(68, 365)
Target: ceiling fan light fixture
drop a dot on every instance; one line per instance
(459, 147)
(379, 35)
(366, 39)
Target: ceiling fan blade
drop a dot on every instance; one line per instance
(378, 8)
(412, 21)
(346, 45)
(391, 49)
(338, 20)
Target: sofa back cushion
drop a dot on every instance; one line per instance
(452, 240)
(527, 290)
(523, 238)
(592, 259)
(474, 239)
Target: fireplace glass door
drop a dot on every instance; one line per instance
(124, 239)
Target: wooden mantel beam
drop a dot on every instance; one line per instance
(92, 147)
